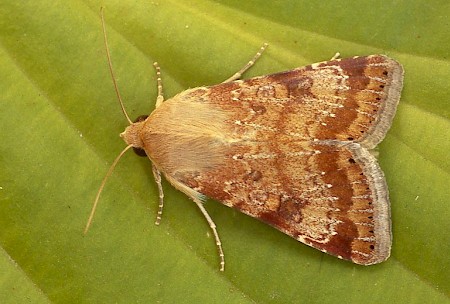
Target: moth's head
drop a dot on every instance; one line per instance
(132, 137)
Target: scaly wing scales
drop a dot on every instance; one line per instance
(291, 149)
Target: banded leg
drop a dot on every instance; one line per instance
(157, 176)
(156, 172)
(248, 65)
(160, 97)
(212, 225)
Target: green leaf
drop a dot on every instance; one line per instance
(60, 121)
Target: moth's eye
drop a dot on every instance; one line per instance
(140, 152)
(141, 118)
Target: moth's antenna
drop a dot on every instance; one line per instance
(94, 207)
(111, 68)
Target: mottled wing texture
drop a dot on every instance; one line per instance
(291, 149)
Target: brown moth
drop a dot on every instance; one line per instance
(292, 149)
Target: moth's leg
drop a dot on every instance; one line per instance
(156, 173)
(157, 176)
(248, 65)
(198, 199)
(160, 97)
(336, 56)
(214, 230)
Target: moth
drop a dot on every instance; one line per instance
(292, 149)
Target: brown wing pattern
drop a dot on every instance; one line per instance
(291, 149)
(348, 100)
(328, 196)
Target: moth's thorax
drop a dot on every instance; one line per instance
(131, 135)
(185, 136)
